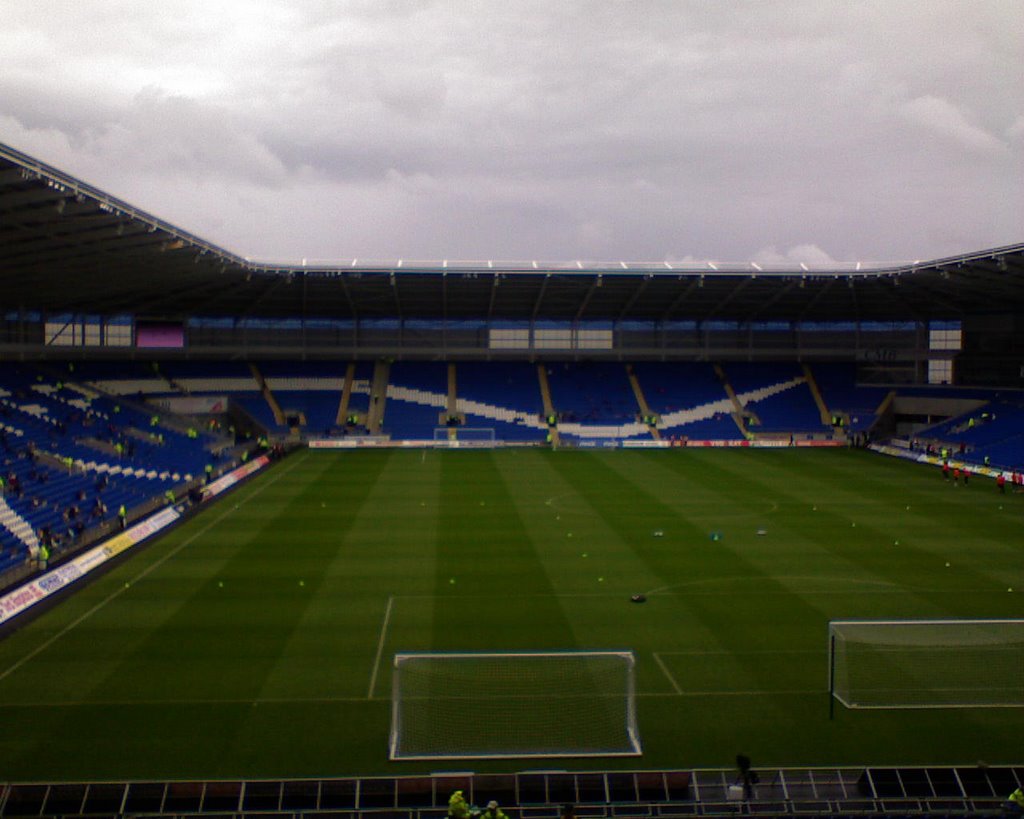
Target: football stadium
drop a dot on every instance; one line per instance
(650, 539)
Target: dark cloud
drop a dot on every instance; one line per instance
(797, 131)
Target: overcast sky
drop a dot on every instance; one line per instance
(554, 130)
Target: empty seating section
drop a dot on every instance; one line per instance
(502, 395)
(417, 394)
(778, 394)
(307, 392)
(689, 398)
(594, 400)
(837, 383)
(207, 378)
(359, 399)
(119, 455)
(592, 393)
(995, 430)
(591, 399)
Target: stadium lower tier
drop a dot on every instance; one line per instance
(807, 792)
(521, 401)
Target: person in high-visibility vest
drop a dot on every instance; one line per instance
(1016, 800)
(44, 556)
(458, 808)
(493, 811)
(122, 515)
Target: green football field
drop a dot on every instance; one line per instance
(256, 639)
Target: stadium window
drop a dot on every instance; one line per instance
(61, 333)
(561, 339)
(940, 372)
(594, 339)
(509, 339)
(118, 334)
(73, 331)
(945, 339)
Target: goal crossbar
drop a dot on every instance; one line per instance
(926, 663)
(504, 705)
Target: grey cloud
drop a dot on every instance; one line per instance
(614, 130)
(945, 119)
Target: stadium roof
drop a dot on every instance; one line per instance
(68, 247)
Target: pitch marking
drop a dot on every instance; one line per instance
(120, 589)
(889, 587)
(380, 646)
(668, 673)
(14, 706)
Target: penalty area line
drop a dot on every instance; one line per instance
(328, 700)
(664, 668)
(380, 647)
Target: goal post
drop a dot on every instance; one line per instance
(901, 664)
(506, 705)
(458, 436)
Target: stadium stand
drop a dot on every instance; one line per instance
(778, 395)
(503, 395)
(993, 431)
(417, 395)
(72, 456)
(837, 382)
(592, 393)
(689, 398)
(308, 393)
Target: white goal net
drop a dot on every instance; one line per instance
(927, 663)
(464, 436)
(519, 704)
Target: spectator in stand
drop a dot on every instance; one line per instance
(1015, 801)
(458, 808)
(493, 811)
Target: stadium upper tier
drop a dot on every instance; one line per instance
(66, 246)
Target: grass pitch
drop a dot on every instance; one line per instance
(255, 640)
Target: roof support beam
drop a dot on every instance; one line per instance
(540, 297)
(739, 288)
(632, 299)
(493, 298)
(596, 283)
(683, 295)
(761, 308)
